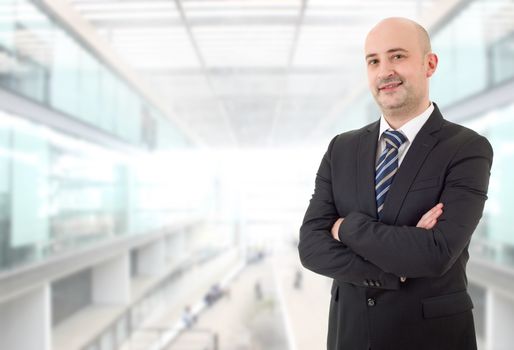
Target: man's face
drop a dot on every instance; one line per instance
(398, 69)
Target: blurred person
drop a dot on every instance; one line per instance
(394, 207)
(257, 289)
(188, 318)
(213, 295)
(298, 278)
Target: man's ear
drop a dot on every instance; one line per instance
(432, 61)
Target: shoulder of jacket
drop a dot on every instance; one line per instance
(352, 135)
(467, 140)
(461, 131)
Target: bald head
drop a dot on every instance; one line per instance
(399, 62)
(406, 26)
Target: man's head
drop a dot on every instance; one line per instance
(399, 62)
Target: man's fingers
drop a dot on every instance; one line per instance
(429, 219)
(429, 224)
(436, 209)
(435, 212)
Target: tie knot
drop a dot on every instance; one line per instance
(394, 138)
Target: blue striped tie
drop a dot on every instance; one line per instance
(387, 166)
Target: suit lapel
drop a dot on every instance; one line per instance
(366, 159)
(411, 164)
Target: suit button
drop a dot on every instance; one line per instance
(366, 283)
(371, 302)
(372, 283)
(377, 284)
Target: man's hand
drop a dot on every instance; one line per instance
(429, 219)
(335, 228)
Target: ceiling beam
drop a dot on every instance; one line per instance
(225, 21)
(221, 107)
(246, 71)
(283, 91)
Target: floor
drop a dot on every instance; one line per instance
(264, 311)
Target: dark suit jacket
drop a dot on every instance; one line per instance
(370, 307)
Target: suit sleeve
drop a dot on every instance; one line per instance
(320, 252)
(415, 252)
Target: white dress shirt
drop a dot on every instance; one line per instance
(409, 130)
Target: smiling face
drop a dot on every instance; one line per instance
(399, 65)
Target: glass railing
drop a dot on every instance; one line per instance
(58, 192)
(42, 61)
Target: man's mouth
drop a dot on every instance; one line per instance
(389, 86)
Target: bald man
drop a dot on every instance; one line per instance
(394, 207)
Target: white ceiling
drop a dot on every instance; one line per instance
(248, 73)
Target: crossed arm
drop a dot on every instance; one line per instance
(427, 221)
(360, 247)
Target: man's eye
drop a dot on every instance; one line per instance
(397, 57)
(372, 62)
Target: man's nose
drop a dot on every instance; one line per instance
(386, 71)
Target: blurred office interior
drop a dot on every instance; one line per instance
(157, 157)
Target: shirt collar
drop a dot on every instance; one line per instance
(411, 128)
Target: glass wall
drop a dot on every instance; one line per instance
(494, 239)
(58, 192)
(42, 61)
(476, 51)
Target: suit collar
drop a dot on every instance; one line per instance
(434, 122)
(419, 150)
(366, 157)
